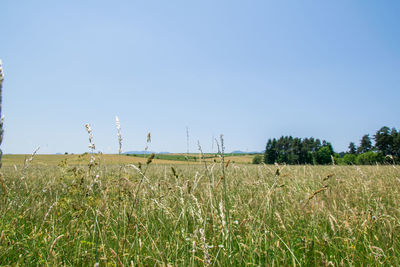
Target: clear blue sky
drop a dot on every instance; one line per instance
(251, 70)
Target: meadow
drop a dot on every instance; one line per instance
(117, 210)
(110, 159)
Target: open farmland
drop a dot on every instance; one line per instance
(67, 210)
(109, 159)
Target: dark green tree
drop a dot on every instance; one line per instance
(295, 156)
(384, 140)
(396, 144)
(330, 147)
(352, 148)
(267, 151)
(270, 154)
(394, 150)
(365, 144)
(309, 150)
(323, 155)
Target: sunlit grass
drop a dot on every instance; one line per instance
(299, 215)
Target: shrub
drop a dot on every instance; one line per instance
(324, 155)
(368, 158)
(350, 159)
(257, 159)
(338, 159)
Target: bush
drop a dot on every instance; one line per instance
(257, 159)
(338, 159)
(324, 155)
(369, 158)
(350, 159)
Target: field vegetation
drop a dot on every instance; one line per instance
(110, 159)
(93, 210)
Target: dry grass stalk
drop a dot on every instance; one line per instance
(315, 193)
(119, 134)
(1, 236)
(318, 191)
(219, 182)
(227, 163)
(150, 158)
(148, 141)
(30, 159)
(117, 257)
(174, 173)
(91, 146)
(89, 130)
(53, 244)
(328, 176)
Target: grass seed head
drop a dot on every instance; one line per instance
(150, 158)
(174, 172)
(227, 163)
(119, 134)
(148, 138)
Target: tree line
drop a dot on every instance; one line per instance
(294, 150)
(383, 148)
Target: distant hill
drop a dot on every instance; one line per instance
(141, 152)
(242, 152)
(144, 152)
(138, 152)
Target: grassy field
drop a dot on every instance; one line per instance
(109, 159)
(67, 210)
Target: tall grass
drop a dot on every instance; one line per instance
(275, 215)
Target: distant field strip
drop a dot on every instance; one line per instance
(82, 159)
